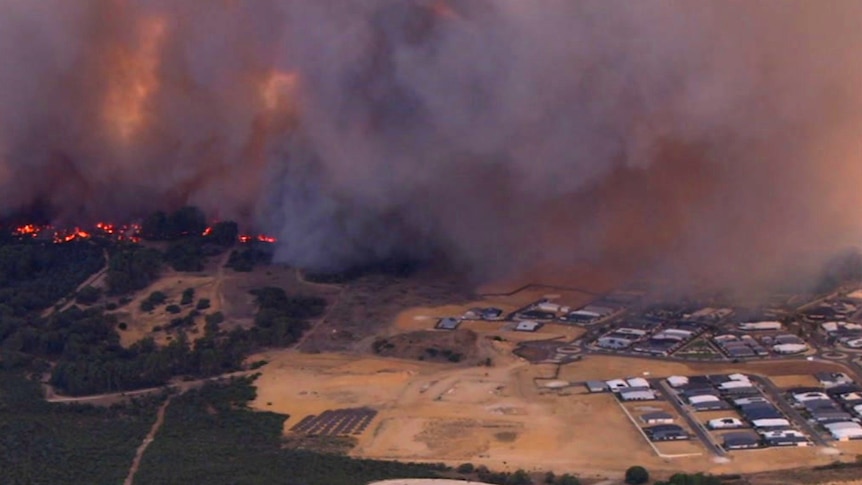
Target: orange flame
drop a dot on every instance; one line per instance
(134, 78)
(278, 90)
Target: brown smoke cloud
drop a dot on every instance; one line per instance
(717, 140)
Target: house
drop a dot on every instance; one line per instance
(596, 386)
(637, 395)
(549, 307)
(638, 382)
(740, 441)
(666, 432)
(729, 385)
(832, 379)
(750, 400)
(767, 423)
(702, 398)
(757, 411)
(801, 397)
(448, 323)
(615, 385)
(527, 326)
(760, 326)
(657, 418)
(851, 398)
(677, 381)
(845, 430)
(725, 423)
(786, 437)
(537, 315)
(491, 313)
(616, 343)
(787, 349)
(710, 406)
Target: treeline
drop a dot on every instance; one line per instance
(35, 274)
(90, 359)
(56, 444)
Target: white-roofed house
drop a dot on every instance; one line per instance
(789, 348)
(637, 395)
(760, 326)
(677, 381)
(703, 398)
(770, 423)
(638, 382)
(616, 384)
(845, 430)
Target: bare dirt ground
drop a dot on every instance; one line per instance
(368, 304)
(498, 416)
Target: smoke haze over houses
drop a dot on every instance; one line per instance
(720, 138)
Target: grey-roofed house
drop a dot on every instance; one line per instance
(597, 386)
(832, 379)
(666, 432)
(491, 313)
(710, 406)
(740, 441)
(448, 323)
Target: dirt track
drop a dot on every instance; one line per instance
(139, 454)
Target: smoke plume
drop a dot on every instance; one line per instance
(716, 139)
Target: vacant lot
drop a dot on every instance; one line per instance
(498, 416)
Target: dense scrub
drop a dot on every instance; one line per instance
(34, 275)
(55, 444)
(210, 436)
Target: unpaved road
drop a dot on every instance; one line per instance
(136, 463)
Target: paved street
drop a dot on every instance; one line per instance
(693, 423)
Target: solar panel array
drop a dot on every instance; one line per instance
(337, 422)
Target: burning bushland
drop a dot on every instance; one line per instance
(496, 134)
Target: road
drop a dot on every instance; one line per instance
(181, 386)
(777, 398)
(694, 424)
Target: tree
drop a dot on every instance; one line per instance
(188, 296)
(173, 309)
(465, 468)
(203, 304)
(520, 477)
(568, 479)
(185, 255)
(223, 233)
(187, 221)
(636, 475)
(88, 295)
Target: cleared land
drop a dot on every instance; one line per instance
(502, 416)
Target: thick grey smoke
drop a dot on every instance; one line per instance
(713, 139)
